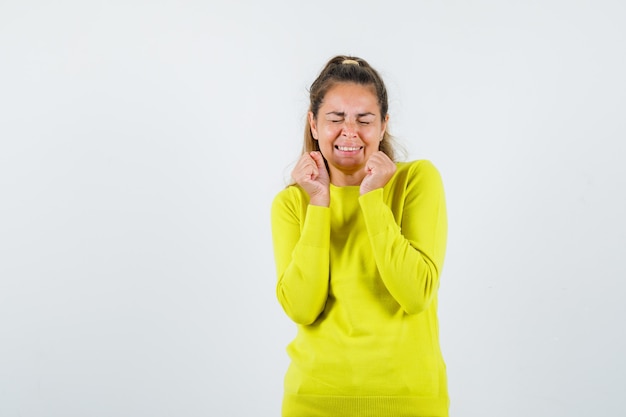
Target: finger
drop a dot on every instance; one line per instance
(317, 158)
(380, 159)
(319, 161)
(304, 168)
(305, 159)
(310, 170)
(373, 162)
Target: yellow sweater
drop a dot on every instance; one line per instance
(360, 279)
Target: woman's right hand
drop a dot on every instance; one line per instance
(310, 173)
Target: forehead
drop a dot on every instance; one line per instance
(351, 95)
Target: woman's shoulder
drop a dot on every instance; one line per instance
(416, 167)
(417, 176)
(292, 193)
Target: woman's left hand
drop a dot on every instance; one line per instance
(379, 169)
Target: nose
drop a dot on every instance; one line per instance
(349, 129)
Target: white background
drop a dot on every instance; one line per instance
(141, 144)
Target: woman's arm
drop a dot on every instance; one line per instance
(301, 239)
(410, 257)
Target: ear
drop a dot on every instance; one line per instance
(313, 125)
(384, 127)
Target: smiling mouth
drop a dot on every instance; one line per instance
(349, 148)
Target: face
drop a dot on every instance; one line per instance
(348, 128)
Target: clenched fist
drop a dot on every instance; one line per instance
(379, 169)
(310, 173)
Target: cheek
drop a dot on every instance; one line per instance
(330, 130)
(373, 135)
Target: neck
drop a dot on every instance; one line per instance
(345, 179)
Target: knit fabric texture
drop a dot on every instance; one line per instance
(360, 280)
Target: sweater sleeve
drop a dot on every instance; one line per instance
(410, 256)
(301, 240)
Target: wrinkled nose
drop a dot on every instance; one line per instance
(349, 130)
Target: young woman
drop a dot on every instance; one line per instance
(359, 243)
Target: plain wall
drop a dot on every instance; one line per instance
(141, 145)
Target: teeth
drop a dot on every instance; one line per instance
(348, 148)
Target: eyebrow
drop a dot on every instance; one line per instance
(342, 114)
